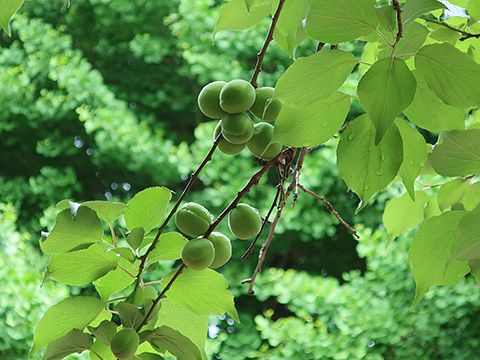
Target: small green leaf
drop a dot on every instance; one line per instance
(107, 210)
(472, 196)
(115, 280)
(430, 251)
(147, 208)
(387, 16)
(149, 356)
(104, 332)
(124, 252)
(459, 154)
(366, 167)
(203, 292)
(414, 155)
(432, 208)
(413, 38)
(8, 8)
(102, 350)
(451, 193)
(71, 313)
(312, 126)
(135, 237)
(177, 344)
(385, 90)
(75, 341)
(429, 112)
(467, 241)
(313, 79)
(71, 234)
(83, 266)
(235, 16)
(475, 269)
(169, 247)
(341, 20)
(415, 8)
(449, 73)
(129, 314)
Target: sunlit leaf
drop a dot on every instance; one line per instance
(235, 16)
(75, 341)
(169, 247)
(414, 8)
(8, 8)
(177, 344)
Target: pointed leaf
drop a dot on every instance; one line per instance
(169, 247)
(69, 314)
(129, 314)
(71, 234)
(147, 208)
(341, 20)
(449, 73)
(467, 242)
(135, 237)
(312, 126)
(107, 210)
(472, 196)
(8, 8)
(235, 16)
(75, 341)
(177, 344)
(203, 292)
(313, 79)
(387, 17)
(430, 250)
(459, 154)
(451, 193)
(115, 280)
(104, 332)
(414, 8)
(385, 90)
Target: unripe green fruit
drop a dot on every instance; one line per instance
(237, 128)
(265, 107)
(193, 219)
(237, 96)
(261, 145)
(209, 100)
(124, 343)
(223, 249)
(227, 147)
(244, 221)
(198, 254)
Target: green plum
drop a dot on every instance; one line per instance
(261, 144)
(224, 146)
(193, 219)
(223, 249)
(237, 128)
(265, 106)
(244, 221)
(237, 96)
(209, 100)
(124, 343)
(198, 254)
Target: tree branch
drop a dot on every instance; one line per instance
(465, 34)
(398, 9)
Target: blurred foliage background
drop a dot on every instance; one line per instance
(98, 101)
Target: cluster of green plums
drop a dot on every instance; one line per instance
(232, 102)
(214, 250)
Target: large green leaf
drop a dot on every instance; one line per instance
(312, 126)
(203, 292)
(169, 247)
(71, 234)
(75, 341)
(177, 344)
(341, 20)
(467, 241)
(414, 155)
(147, 208)
(115, 280)
(450, 73)
(366, 167)
(430, 251)
(414, 8)
(235, 16)
(107, 210)
(459, 154)
(429, 111)
(313, 79)
(385, 90)
(72, 313)
(8, 8)
(83, 266)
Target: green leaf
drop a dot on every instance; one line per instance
(115, 280)
(147, 208)
(251, 4)
(313, 79)
(235, 16)
(414, 155)
(474, 9)
(342, 20)
(467, 242)
(366, 167)
(312, 126)
(72, 313)
(429, 112)
(83, 266)
(169, 247)
(432, 208)
(135, 237)
(104, 332)
(387, 17)
(450, 73)
(289, 32)
(402, 213)
(475, 270)
(102, 350)
(415, 8)
(385, 90)
(430, 251)
(177, 344)
(459, 154)
(451, 193)
(149, 356)
(8, 8)
(71, 234)
(180, 318)
(107, 210)
(129, 314)
(75, 341)
(124, 252)
(203, 292)
(413, 38)
(472, 196)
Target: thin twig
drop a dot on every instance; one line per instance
(465, 34)
(398, 9)
(320, 46)
(298, 166)
(331, 209)
(268, 39)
